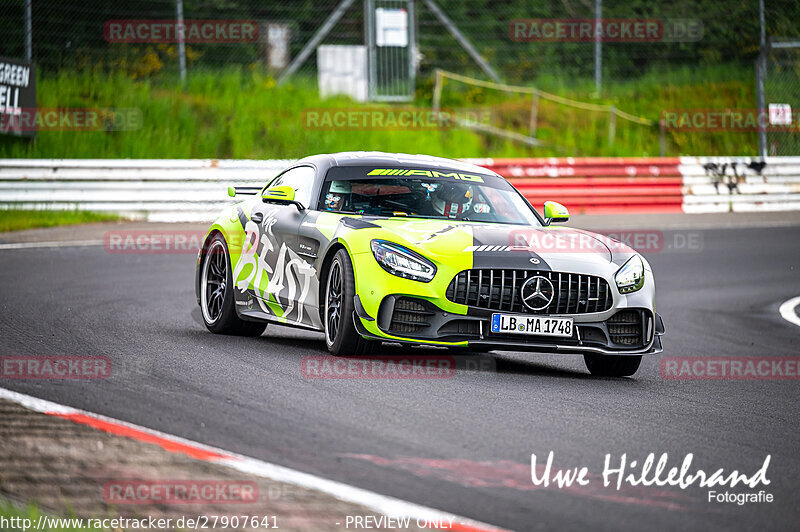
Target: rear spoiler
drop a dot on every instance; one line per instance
(243, 191)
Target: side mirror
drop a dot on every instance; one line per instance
(281, 194)
(555, 212)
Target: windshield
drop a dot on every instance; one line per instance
(444, 194)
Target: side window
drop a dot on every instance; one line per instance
(301, 179)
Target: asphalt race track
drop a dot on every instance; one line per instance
(461, 444)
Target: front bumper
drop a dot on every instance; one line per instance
(406, 319)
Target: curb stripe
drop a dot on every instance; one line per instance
(382, 504)
(142, 436)
(787, 311)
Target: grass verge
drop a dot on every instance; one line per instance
(242, 113)
(16, 519)
(18, 219)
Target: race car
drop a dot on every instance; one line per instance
(370, 247)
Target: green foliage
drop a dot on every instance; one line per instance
(18, 219)
(241, 113)
(576, 132)
(14, 516)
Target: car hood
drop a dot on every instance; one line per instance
(505, 246)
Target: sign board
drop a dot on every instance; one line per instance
(342, 69)
(278, 40)
(391, 27)
(17, 93)
(780, 114)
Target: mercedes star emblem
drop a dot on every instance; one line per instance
(537, 292)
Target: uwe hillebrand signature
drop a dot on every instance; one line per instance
(650, 472)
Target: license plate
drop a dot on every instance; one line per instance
(532, 325)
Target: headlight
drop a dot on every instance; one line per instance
(630, 277)
(402, 262)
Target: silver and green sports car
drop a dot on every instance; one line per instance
(372, 247)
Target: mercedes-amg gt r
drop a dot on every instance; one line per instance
(373, 247)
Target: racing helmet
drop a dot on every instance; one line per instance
(452, 199)
(338, 195)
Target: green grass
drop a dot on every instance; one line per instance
(241, 113)
(18, 219)
(235, 114)
(12, 520)
(585, 133)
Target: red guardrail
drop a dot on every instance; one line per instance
(596, 184)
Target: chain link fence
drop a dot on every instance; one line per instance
(76, 36)
(71, 35)
(782, 87)
(518, 42)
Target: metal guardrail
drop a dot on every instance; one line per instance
(687, 184)
(151, 189)
(194, 190)
(740, 184)
(597, 184)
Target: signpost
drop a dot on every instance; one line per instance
(391, 50)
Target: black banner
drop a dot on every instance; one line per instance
(17, 93)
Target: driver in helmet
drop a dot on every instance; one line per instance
(338, 196)
(452, 199)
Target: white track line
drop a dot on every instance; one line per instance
(65, 244)
(788, 313)
(379, 503)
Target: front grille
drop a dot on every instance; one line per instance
(625, 328)
(495, 289)
(409, 316)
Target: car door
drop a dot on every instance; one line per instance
(282, 279)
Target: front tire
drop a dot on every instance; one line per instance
(216, 294)
(341, 336)
(612, 365)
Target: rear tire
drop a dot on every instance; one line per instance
(341, 336)
(216, 294)
(612, 365)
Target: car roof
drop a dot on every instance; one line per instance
(376, 158)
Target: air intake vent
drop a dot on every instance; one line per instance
(625, 328)
(410, 316)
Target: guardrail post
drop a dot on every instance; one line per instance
(28, 31)
(437, 91)
(181, 39)
(598, 47)
(612, 126)
(761, 72)
(534, 115)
